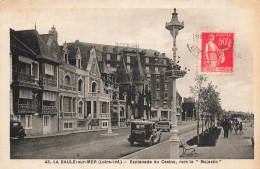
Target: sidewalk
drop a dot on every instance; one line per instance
(234, 147)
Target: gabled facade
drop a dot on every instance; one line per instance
(34, 83)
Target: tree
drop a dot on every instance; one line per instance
(210, 101)
(196, 92)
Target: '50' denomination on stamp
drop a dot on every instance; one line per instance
(217, 52)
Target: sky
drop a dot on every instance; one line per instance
(146, 27)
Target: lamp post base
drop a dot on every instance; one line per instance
(174, 144)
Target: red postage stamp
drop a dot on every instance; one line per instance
(217, 52)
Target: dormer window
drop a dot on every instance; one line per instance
(79, 63)
(108, 56)
(118, 57)
(80, 85)
(94, 87)
(65, 59)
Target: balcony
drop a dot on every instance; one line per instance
(49, 82)
(68, 114)
(99, 95)
(26, 109)
(25, 78)
(49, 110)
(66, 87)
(104, 115)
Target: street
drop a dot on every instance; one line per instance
(86, 145)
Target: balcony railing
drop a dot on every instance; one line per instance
(49, 82)
(50, 110)
(104, 115)
(99, 95)
(26, 109)
(68, 114)
(66, 87)
(25, 78)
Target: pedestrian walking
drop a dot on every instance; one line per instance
(241, 128)
(225, 128)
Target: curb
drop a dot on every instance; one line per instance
(74, 132)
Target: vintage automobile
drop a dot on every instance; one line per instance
(164, 125)
(144, 132)
(16, 129)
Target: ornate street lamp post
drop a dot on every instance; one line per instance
(174, 72)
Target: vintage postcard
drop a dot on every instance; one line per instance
(99, 84)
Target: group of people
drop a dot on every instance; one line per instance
(230, 125)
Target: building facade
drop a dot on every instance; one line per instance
(34, 81)
(79, 86)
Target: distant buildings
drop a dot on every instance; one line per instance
(80, 85)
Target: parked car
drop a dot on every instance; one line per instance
(16, 129)
(144, 132)
(164, 125)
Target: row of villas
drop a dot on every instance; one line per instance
(81, 85)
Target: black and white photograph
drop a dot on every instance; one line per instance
(127, 85)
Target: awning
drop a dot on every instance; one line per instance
(25, 93)
(49, 96)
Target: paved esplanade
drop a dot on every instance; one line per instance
(233, 147)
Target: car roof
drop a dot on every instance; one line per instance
(15, 121)
(143, 122)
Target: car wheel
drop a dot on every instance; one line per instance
(159, 139)
(151, 142)
(21, 136)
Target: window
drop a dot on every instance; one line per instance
(35, 70)
(147, 68)
(128, 59)
(156, 103)
(16, 117)
(67, 125)
(157, 94)
(24, 68)
(49, 69)
(156, 69)
(122, 112)
(166, 78)
(79, 63)
(166, 95)
(146, 60)
(94, 87)
(108, 56)
(60, 103)
(158, 86)
(166, 86)
(157, 77)
(108, 65)
(80, 85)
(67, 104)
(67, 80)
(104, 107)
(128, 67)
(164, 61)
(154, 113)
(104, 124)
(118, 57)
(136, 98)
(28, 121)
(66, 58)
(80, 107)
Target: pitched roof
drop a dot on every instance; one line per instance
(34, 43)
(103, 67)
(18, 46)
